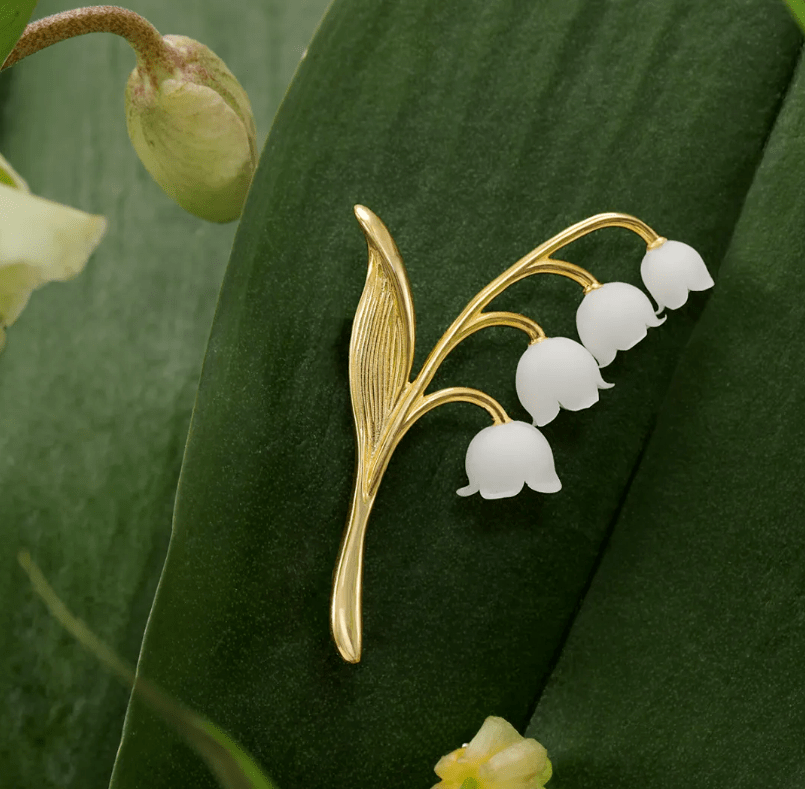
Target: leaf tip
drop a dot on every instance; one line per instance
(368, 220)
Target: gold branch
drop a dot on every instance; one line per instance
(512, 319)
(458, 394)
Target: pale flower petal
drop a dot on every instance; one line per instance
(671, 270)
(554, 372)
(495, 735)
(502, 458)
(446, 766)
(40, 241)
(612, 318)
(522, 761)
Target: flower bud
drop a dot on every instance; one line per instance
(193, 129)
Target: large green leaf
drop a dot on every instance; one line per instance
(475, 130)
(686, 662)
(98, 376)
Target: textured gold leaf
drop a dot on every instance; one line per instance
(382, 345)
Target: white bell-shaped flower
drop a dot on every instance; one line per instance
(612, 318)
(672, 270)
(502, 458)
(557, 372)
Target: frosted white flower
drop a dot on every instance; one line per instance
(671, 270)
(502, 458)
(497, 757)
(193, 129)
(40, 241)
(555, 372)
(614, 318)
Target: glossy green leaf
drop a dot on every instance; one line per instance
(14, 17)
(99, 374)
(234, 767)
(685, 664)
(475, 131)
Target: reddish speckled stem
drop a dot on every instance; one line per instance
(140, 33)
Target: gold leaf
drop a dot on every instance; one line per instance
(382, 346)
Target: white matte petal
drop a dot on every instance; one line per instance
(501, 458)
(544, 410)
(671, 270)
(557, 371)
(614, 318)
(544, 481)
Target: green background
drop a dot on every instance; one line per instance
(645, 623)
(98, 376)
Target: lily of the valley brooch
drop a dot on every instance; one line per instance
(553, 373)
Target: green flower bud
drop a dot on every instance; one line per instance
(192, 126)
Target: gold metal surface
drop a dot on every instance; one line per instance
(385, 403)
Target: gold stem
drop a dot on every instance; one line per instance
(513, 319)
(458, 394)
(139, 32)
(347, 596)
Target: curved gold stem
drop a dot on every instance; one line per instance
(578, 274)
(458, 394)
(346, 601)
(513, 319)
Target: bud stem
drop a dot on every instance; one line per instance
(139, 32)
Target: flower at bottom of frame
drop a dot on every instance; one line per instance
(498, 757)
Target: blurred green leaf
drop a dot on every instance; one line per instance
(14, 17)
(98, 376)
(234, 767)
(475, 132)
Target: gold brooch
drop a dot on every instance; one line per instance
(554, 372)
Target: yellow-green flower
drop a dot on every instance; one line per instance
(496, 758)
(40, 241)
(193, 129)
